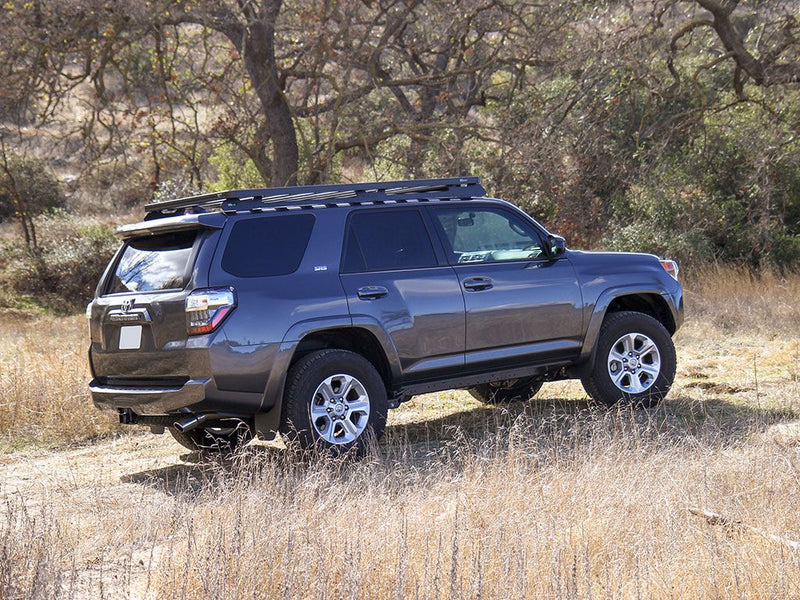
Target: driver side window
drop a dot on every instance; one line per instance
(479, 235)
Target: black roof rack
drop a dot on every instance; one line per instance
(241, 200)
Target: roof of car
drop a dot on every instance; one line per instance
(321, 196)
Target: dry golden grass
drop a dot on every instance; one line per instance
(736, 298)
(43, 377)
(547, 499)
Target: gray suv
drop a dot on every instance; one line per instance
(310, 311)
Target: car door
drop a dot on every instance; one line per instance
(521, 305)
(395, 279)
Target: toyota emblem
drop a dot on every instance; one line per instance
(127, 304)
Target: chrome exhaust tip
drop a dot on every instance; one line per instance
(191, 422)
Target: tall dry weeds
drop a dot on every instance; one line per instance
(522, 504)
(43, 375)
(739, 299)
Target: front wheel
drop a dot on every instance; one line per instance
(335, 401)
(634, 361)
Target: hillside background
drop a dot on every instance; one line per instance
(659, 125)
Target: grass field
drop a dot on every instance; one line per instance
(552, 498)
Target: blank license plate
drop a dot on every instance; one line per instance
(130, 338)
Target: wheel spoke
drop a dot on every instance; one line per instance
(618, 356)
(618, 379)
(359, 406)
(636, 384)
(652, 370)
(318, 410)
(628, 343)
(352, 430)
(647, 348)
(325, 390)
(347, 386)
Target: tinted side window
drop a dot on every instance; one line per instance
(158, 262)
(485, 234)
(387, 239)
(267, 246)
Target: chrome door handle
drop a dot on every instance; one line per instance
(372, 292)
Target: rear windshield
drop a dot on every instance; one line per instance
(158, 262)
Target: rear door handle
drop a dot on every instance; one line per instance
(372, 292)
(476, 284)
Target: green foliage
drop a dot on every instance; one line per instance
(64, 272)
(730, 195)
(35, 184)
(234, 170)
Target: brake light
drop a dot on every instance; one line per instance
(206, 309)
(671, 267)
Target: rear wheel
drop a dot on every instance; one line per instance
(335, 401)
(223, 436)
(634, 362)
(504, 392)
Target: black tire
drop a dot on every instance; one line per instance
(628, 334)
(505, 392)
(223, 437)
(310, 422)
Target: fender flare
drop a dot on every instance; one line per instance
(604, 300)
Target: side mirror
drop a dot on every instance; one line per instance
(556, 245)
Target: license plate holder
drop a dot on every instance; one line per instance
(130, 337)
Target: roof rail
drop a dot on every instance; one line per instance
(456, 187)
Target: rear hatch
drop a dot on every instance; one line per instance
(138, 319)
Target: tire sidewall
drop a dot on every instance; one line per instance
(619, 325)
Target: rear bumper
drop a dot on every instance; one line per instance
(156, 400)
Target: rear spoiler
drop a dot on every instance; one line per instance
(167, 224)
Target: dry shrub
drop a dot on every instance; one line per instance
(63, 272)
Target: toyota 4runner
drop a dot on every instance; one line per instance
(310, 311)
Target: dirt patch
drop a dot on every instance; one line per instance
(718, 388)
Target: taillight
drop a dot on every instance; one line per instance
(206, 309)
(671, 267)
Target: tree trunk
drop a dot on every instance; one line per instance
(258, 52)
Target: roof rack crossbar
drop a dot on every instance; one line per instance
(459, 187)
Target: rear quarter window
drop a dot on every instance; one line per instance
(152, 263)
(267, 246)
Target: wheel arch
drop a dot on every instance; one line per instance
(652, 302)
(653, 305)
(355, 339)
